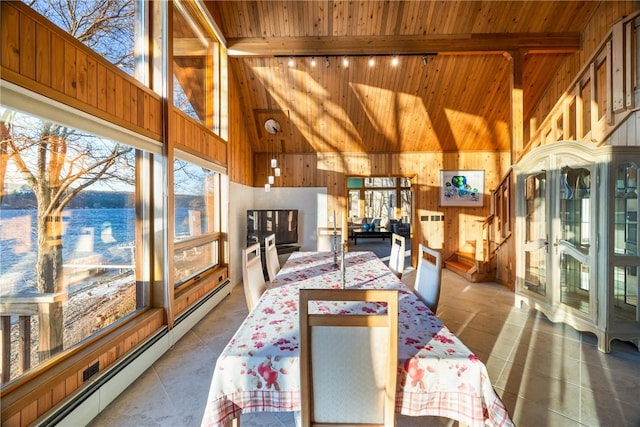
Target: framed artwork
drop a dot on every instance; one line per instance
(462, 188)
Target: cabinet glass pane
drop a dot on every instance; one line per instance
(625, 237)
(574, 283)
(535, 257)
(535, 278)
(625, 293)
(536, 221)
(575, 207)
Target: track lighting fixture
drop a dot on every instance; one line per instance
(345, 60)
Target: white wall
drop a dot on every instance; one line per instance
(240, 200)
(311, 203)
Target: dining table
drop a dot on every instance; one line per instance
(259, 369)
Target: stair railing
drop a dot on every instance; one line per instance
(602, 95)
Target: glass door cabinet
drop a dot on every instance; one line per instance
(577, 237)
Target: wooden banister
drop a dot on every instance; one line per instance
(611, 66)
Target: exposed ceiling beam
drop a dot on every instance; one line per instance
(405, 45)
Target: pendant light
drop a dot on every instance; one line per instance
(272, 126)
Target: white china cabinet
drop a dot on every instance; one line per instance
(577, 237)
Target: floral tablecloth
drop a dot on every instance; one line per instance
(259, 370)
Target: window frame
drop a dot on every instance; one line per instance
(33, 104)
(215, 236)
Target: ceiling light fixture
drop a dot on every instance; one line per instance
(345, 59)
(272, 126)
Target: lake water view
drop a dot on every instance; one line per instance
(90, 236)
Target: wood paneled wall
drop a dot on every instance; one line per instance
(189, 135)
(239, 149)
(184, 300)
(41, 57)
(24, 405)
(628, 133)
(330, 170)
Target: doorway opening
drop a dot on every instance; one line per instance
(379, 203)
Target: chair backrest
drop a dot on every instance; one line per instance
(325, 239)
(271, 256)
(396, 259)
(348, 362)
(252, 275)
(428, 276)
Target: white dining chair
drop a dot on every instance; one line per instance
(396, 259)
(271, 256)
(428, 276)
(252, 275)
(348, 362)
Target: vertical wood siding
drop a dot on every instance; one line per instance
(41, 57)
(331, 169)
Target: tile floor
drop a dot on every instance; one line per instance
(547, 374)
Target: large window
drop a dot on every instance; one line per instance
(197, 198)
(197, 61)
(106, 26)
(68, 236)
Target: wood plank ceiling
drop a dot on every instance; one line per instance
(450, 91)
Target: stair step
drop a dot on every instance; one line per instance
(457, 267)
(466, 258)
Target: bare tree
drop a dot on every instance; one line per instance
(106, 26)
(57, 162)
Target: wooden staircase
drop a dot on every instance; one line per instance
(463, 263)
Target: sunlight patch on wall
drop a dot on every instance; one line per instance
(392, 114)
(320, 120)
(465, 126)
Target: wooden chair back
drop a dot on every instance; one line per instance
(271, 256)
(396, 259)
(252, 275)
(428, 276)
(348, 362)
